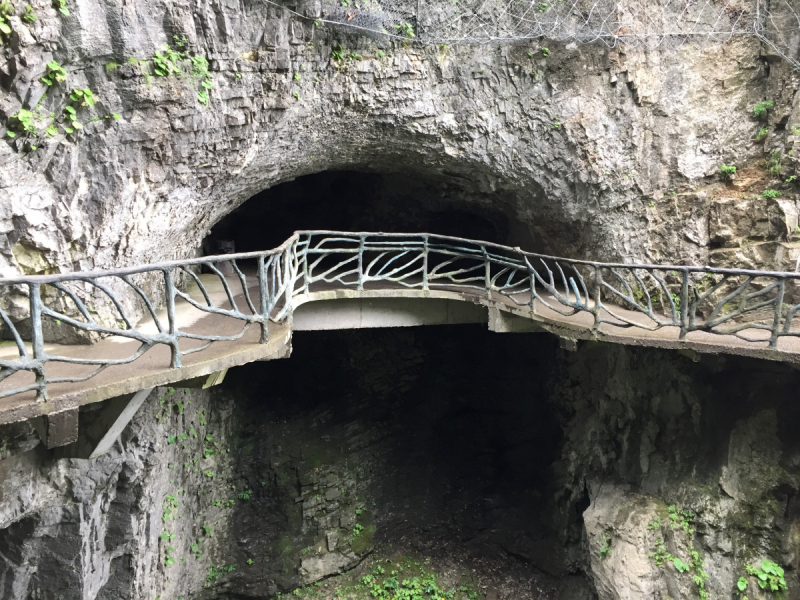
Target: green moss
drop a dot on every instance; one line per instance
(363, 542)
(286, 545)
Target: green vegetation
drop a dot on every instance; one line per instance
(215, 572)
(71, 116)
(770, 194)
(605, 549)
(22, 122)
(30, 15)
(246, 495)
(61, 5)
(545, 52)
(83, 97)
(6, 11)
(679, 519)
(726, 172)
(795, 129)
(170, 504)
(773, 163)
(760, 109)
(405, 29)
(769, 576)
(166, 62)
(400, 578)
(55, 74)
(762, 134)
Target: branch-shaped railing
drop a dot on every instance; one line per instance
(751, 308)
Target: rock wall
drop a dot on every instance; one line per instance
(569, 473)
(598, 152)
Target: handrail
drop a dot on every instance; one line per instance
(755, 307)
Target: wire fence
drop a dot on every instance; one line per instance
(641, 23)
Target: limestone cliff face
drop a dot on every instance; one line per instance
(586, 147)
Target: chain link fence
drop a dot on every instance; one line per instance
(640, 23)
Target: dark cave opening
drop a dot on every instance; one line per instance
(447, 432)
(366, 201)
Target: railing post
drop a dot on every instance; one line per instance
(305, 265)
(169, 287)
(684, 306)
(361, 264)
(487, 276)
(289, 282)
(37, 342)
(425, 263)
(598, 281)
(263, 290)
(773, 340)
(532, 276)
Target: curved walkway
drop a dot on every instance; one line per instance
(244, 306)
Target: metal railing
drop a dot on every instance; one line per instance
(752, 307)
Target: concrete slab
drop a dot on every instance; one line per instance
(365, 313)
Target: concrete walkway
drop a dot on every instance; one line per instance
(328, 307)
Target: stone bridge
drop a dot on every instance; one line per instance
(184, 323)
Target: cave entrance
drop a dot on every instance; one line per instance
(349, 200)
(417, 451)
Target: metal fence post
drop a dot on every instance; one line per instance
(305, 264)
(598, 280)
(263, 305)
(169, 286)
(361, 265)
(425, 263)
(684, 304)
(773, 340)
(37, 341)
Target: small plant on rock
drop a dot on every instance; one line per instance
(605, 549)
(727, 172)
(773, 163)
(83, 97)
(760, 109)
(22, 122)
(405, 29)
(769, 575)
(55, 74)
(61, 5)
(762, 134)
(770, 194)
(30, 15)
(6, 11)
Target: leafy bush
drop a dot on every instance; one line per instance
(166, 63)
(769, 575)
(760, 109)
(770, 194)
